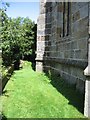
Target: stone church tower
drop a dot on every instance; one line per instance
(63, 43)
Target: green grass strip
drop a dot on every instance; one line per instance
(29, 94)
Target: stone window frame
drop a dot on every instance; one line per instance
(66, 19)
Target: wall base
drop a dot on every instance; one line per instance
(39, 66)
(87, 99)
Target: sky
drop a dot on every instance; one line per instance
(23, 9)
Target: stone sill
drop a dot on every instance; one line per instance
(87, 71)
(76, 63)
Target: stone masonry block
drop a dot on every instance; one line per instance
(76, 16)
(60, 7)
(84, 11)
(84, 45)
(80, 85)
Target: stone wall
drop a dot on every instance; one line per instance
(62, 40)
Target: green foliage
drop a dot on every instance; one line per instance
(6, 53)
(17, 36)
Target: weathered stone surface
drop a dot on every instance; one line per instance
(80, 85)
(77, 63)
(63, 33)
(60, 7)
(87, 98)
(77, 6)
(39, 66)
(76, 16)
(84, 11)
(41, 32)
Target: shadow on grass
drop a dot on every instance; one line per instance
(75, 98)
(5, 93)
(34, 66)
(6, 79)
(3, 117)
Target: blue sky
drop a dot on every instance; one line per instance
(23, 9)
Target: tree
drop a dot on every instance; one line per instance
(18, 37)
(3, 34)
(28, 41)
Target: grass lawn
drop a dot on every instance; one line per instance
(29, 94)
(0, 63)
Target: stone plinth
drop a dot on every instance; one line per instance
(87, 98)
